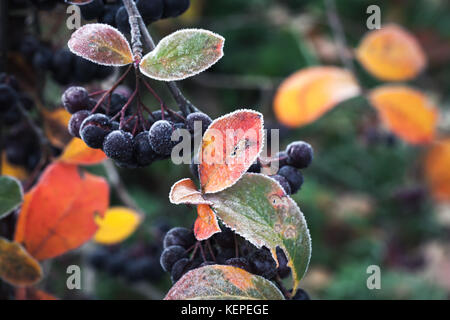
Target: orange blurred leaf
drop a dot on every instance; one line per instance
(56, 122)
(33, 294)
(185, 191)
(229, 146)
(308, 94)
(17, 267)
(58, 213)
(391, 54)
(406, 112)
(77, 152)
(437, 169)
(206, 224)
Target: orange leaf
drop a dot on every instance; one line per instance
(229, 146)
(206, 224)
(77, 152)
(437, 170)
(17, 267)
(406, 112)
(309, 93)
(56, 122)
(391, 54)
(58, 214)
(33, 294)
(185, 191)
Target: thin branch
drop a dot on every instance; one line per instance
(339, 35)
(184, 104)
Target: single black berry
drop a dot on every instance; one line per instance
(263, 264)
(118, 145)
(300, 154)
(84, 70)
(283, 182)
(170, 255)
(75, 99)
(179, 269)
(143, 152)
(203, 121)
(293, 176)
(109, 14)
(75, 122)
(122, 22)
(150, 10)
(174, 8)
(179, 236)
(92, 10)
(160, 137)
(94, 129)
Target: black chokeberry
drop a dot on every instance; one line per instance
(300, 154)
(225, 254)
(179, 236)
(94, 129)
(92, 10)
(174, 8)
(170, 255)
(122, 22)
(179, 269)
(84, 70)
(43, 58)
(118, 145)
(143, 152)
(160, 135)
(301, 295)
(109, 14)
(8, 97)
(282, 158)
(283, 182)
(226, 238)
(293, 176)
(262, 263)
(150, 10)
(255, 167)
(203, 121)
(75, 122)
(283, 270)
(75, 99)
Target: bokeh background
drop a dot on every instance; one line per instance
(364, 196)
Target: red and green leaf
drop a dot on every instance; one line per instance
(258, 209)
(218, 282)
(183, 54)
(102, 44)
(58, 214)
(229, 147)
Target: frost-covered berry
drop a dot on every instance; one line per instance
(150, 10)
(293, 176)
(75, 122)
(300, 154)
(94, 129)
(75, 99)
(170, 255)
(143, 152)
(160, 137)
(283, 183)
(118, 145)
(204, 120)
(179, 236)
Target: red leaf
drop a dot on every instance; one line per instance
(229, 147)
(102, 44)
(58, 213)
(206, 224)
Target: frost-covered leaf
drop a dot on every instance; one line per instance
(258, 209)
(185, 191)
(102, 44)
(17, 267)
(11, 195)
(206, 223)
(183, 54)
(218, 282)
(229, 147)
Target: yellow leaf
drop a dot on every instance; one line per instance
(56, 122)
(309, 93)
(406, 112)
(391, 54)
(437, 169)
(9, 169)
(77, 152)
(117, 224)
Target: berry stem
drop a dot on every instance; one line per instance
(208, 244)
(184, 104)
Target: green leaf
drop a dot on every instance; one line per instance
(219, 282)
(183, 54)
(258, 209)
(11, 195)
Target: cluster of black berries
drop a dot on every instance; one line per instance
(64, 66)
(133, 142)
(20, 143)
(183, 253)
(298, 155)
(115, 14)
